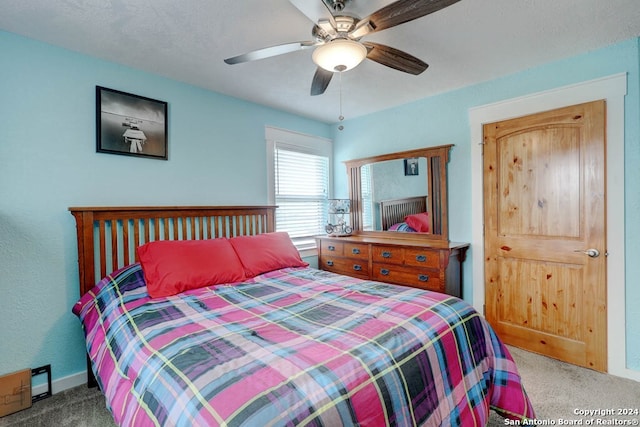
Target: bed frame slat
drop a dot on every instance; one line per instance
(114, 244)
(146, 226)
(125, 239)
(102, 249)
(216, 226)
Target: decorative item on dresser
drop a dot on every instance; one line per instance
(337, 225)
(393, 260)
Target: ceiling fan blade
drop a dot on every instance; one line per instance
(268, 52)
(399, 12)
(395, 58)
(315, 10)
(320, 81)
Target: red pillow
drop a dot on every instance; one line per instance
(174, 266)
(266, 252)
(419, 222)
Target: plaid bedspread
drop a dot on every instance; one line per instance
(295, 347)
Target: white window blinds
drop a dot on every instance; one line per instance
(301, 183)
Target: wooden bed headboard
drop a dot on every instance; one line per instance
(108, 236)
(394, 211)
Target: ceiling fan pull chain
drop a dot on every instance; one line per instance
(340, 117)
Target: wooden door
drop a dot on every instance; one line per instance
(544, 195)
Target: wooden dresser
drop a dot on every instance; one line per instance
(394, 260)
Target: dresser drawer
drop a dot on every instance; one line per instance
(422, 257)
(417, 278)
(388, 254)
(331, 248)
(356, 250)
(349, 267)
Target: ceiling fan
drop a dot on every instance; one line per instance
(337, 38)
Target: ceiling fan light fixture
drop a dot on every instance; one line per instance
(339, 55)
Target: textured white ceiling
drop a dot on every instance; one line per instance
(469, 42)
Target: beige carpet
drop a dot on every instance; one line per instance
(557, 390)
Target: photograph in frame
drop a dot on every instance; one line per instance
(411, 166)
(130, 125)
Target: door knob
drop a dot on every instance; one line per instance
(593, 253)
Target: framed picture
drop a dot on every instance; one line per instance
(130, 125)
(411, 166)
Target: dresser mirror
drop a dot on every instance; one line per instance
(385, 189)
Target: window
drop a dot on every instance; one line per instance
(299, 169)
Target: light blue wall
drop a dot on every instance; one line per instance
(443, 119)
(217, 155)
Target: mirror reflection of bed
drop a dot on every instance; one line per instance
(390, 191)
(396, 214)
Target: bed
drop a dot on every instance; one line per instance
(286, 344)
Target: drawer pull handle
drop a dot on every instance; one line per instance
(421, 258)
(330, 263)
(384, 272)
(386, 254)
(357, 267)
(331, 248)
(423, 278)
(355, 251)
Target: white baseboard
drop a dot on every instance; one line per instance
(629, 374)
(61, 384)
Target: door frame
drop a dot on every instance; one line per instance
(612, 89)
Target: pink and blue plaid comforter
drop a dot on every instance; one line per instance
(295, 347)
